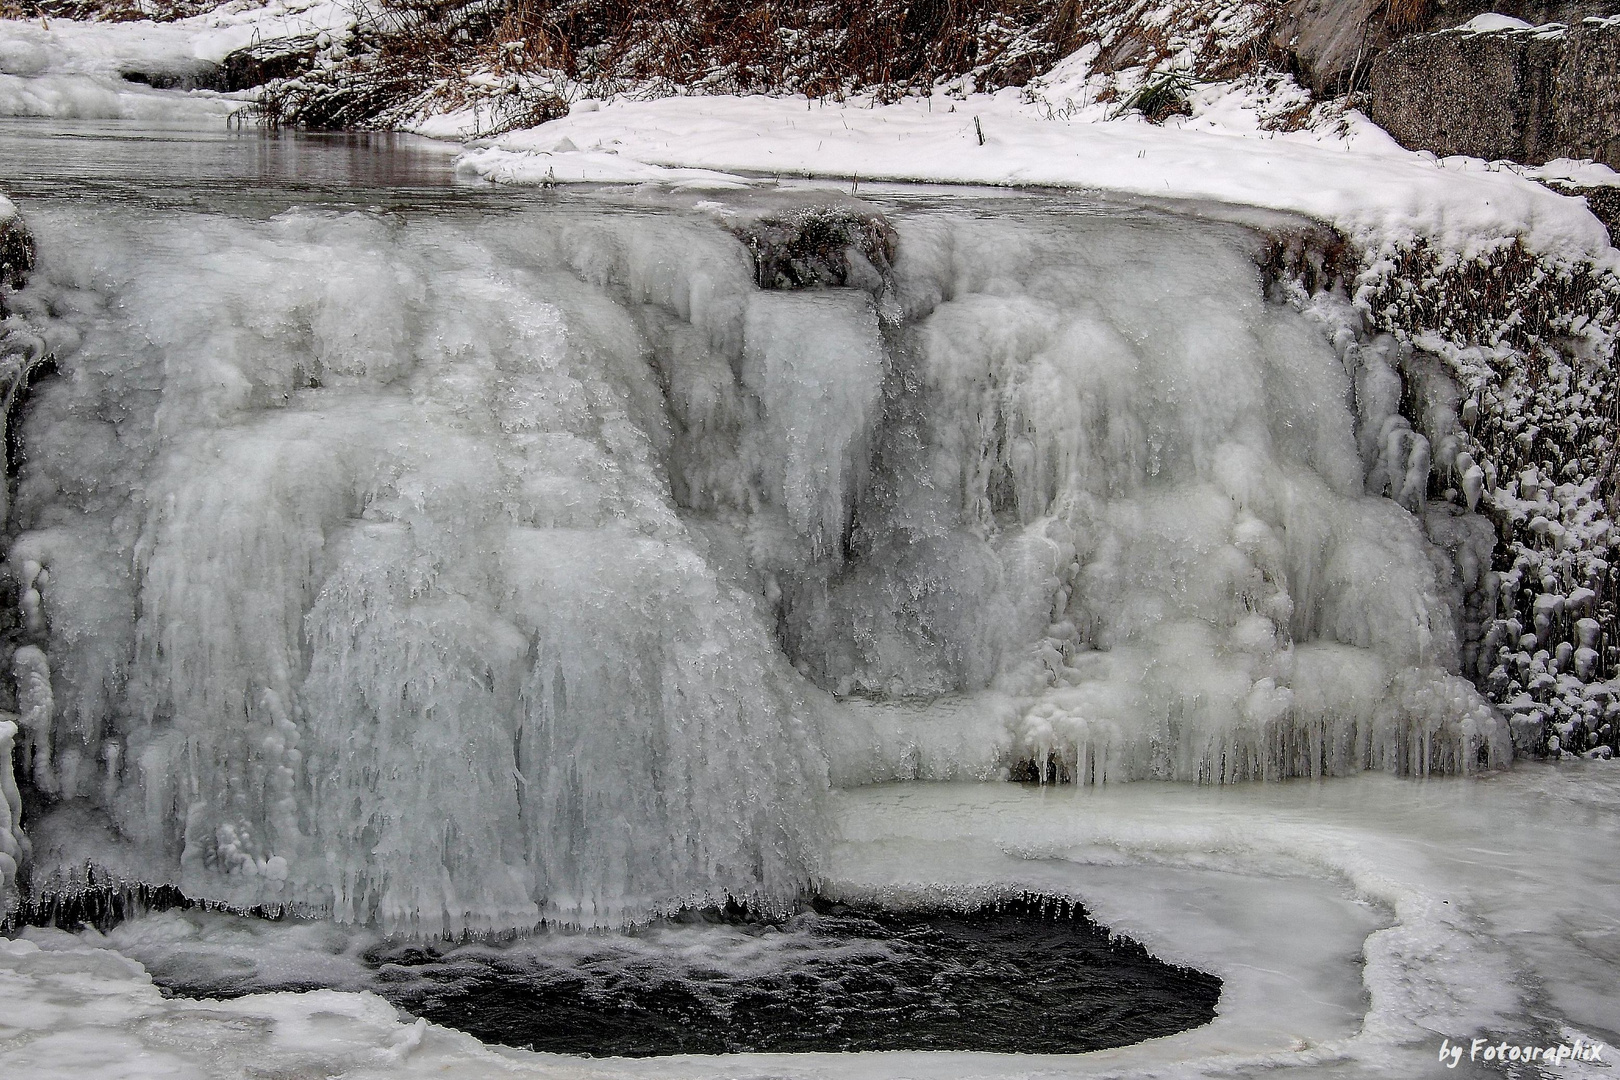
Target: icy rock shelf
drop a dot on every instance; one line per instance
(455, 571)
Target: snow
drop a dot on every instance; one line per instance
(1491, 22)
(65, 69)
(1370, 189)
(1355, 923)
(591, 167)
(1578, 173)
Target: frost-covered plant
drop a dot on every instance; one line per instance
(819, 245)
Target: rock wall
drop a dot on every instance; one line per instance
(1523, 95)
(1587, 93)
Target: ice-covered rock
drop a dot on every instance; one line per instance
(16, 250)
(822, 243)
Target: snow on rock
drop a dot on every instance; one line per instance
(1491, 22)
(1572, 172)
(1375, 197)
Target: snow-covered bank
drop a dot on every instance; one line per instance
(1374, 192)
(141, 70)
(1356, 924)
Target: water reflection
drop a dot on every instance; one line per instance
(57, 158)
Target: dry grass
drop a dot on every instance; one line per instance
(1402, 15)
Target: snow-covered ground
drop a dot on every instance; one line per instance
(1356, 923)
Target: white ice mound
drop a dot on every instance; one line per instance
(451, 573)
(428, 645)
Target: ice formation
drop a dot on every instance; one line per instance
(454, 573)
(13, 841)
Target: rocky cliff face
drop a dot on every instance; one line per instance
(1526, 95)
(1332, 44)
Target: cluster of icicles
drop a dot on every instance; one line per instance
(453, 575)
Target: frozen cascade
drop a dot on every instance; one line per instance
(457, 572)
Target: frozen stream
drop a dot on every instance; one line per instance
(438, 560)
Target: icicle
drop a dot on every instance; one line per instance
(37, 711)
(14, 847)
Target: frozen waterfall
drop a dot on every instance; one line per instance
(455, 571)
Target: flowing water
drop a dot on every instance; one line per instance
(443, 560)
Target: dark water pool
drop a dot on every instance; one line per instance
(1026, 975)
(1022, 977)
(1031, 975)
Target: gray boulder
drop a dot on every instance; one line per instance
(1523, 95)
(175, 74)
(820, 246)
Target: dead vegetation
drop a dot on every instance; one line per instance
(525, 60)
